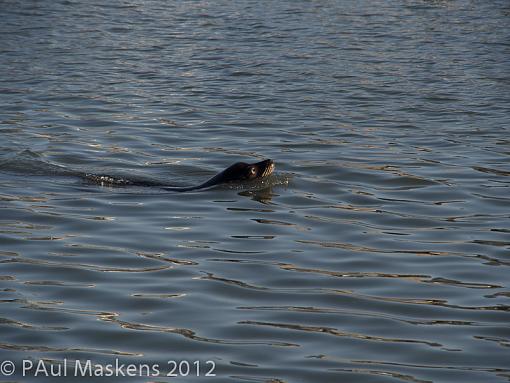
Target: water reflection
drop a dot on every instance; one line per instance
(377, 251)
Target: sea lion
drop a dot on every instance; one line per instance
(238, 172)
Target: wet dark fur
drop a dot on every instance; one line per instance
(238, 172)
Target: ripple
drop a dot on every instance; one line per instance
(7, 346)
(378, 250)
(335, 332)
(186, 333)
(85, 266)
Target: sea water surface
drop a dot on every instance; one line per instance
(379, 250)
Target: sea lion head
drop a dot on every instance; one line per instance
(241, 171)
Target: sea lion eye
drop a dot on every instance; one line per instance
(252, 172)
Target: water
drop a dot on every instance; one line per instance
(377, 253)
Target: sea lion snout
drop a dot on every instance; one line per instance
(267, 168)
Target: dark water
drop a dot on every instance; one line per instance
(379, 252)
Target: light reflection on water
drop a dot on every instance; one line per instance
(378, 250)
